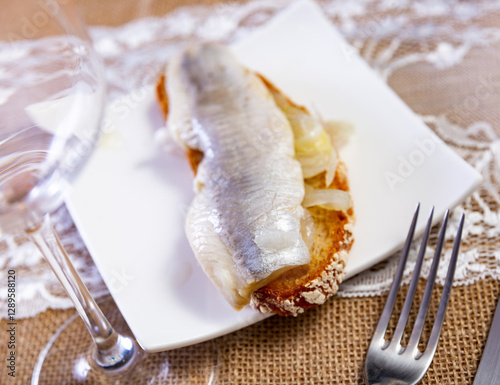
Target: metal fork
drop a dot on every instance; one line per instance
(388, 362)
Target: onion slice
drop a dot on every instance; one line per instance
(340, 132)
(308, 229)
(330, 199)
(315, 164)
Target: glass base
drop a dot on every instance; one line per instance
(67, 359)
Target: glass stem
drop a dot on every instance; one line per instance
(113, 350)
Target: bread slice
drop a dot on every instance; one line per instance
(309, 285)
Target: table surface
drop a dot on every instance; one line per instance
(326, 345)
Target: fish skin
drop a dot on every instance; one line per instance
(248, 183)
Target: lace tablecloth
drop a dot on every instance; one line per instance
(441, 57)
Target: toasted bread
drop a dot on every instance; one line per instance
(308, 285)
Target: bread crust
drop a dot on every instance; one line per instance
(308, 285)
(311, 285)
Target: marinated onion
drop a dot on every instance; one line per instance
(330, 199)
(314, 149)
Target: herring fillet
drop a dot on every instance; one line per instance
(245, 220)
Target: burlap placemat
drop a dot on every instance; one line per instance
(326, 345)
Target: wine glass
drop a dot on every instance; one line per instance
(52, 97)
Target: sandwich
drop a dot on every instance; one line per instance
(271, 220)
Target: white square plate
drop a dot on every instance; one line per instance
(130, 199)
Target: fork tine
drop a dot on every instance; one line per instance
(403, 318)
(379, 334)
(424, 305)
(385, 364)
(445, 296)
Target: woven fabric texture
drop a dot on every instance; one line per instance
(453, 85)
(326, 345)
